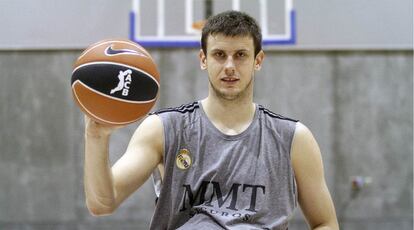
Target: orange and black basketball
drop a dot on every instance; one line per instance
(115, 81)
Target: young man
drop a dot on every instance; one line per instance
(225, 162)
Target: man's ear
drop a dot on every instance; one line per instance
(258, 61)
(203, 60)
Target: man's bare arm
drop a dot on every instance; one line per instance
(107, 187)
(314, 197)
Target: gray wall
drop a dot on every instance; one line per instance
(359, 106)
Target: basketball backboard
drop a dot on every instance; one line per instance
(177, 23)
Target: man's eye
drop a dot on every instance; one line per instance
(241, 54)
(219, 54)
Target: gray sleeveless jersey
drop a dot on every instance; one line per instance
(217, 181)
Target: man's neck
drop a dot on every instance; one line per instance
(230, 117)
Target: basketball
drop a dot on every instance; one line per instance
(115, 82)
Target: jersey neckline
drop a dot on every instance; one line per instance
(226, 136)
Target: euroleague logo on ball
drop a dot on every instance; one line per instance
(123, 76)
(124, 82)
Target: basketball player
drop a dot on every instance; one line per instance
(223, 162)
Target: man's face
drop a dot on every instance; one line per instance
(230, 63)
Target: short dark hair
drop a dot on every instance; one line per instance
(232, 23)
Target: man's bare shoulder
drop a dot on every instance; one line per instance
(149, 134)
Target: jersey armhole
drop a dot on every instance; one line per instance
(157, 177)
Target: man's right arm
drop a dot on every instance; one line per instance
(107, 187)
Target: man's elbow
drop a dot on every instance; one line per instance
(100, 209)
(329, 226)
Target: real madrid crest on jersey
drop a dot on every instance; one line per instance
(183, 159)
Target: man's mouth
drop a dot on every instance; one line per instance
(229, 79)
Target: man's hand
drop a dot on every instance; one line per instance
(96, 129)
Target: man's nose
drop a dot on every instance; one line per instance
(229, 66)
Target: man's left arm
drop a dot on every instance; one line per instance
(313, 194)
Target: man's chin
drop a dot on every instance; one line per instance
(229, 96)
